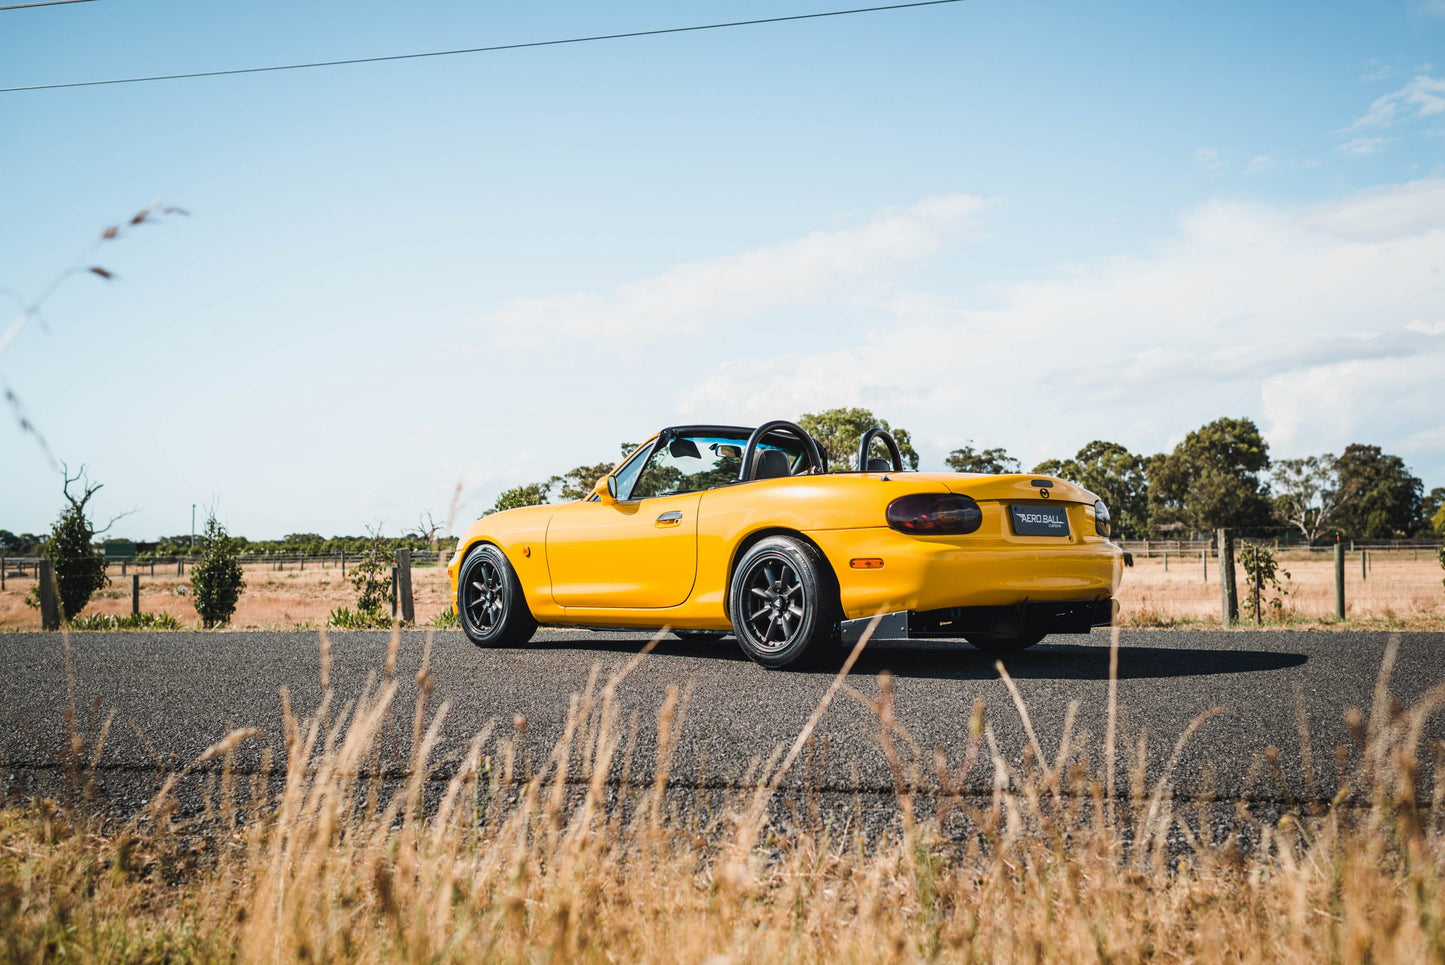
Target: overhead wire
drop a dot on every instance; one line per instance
(482, 50)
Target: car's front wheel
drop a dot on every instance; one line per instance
(490, 604)
(784, 604)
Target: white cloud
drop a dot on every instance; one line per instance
(1364, 146)
(823, 266)
(1422, 96)
(1269, 162)
(1209, 159)
(1306, 318)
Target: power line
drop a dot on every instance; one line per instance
(41, 3)
(481, 50)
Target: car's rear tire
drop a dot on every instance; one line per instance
(1004, 646)
(783, 602)
(490, 605)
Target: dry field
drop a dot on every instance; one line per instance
(1401, 591)
(1072, 857)
(273, 599)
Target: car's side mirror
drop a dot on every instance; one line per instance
(607, 489)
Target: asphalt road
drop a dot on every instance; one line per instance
(174, 694)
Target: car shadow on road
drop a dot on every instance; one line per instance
(1068, 661)
(957, 660)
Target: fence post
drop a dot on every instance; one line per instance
(1258, 589)
(1228, 599)
(122, 567)
(1340, 580)
(1166, 561)
(403, 572)
(1204, 560)
(343, 562)
(135, 594)
(3, 567)
(1364, 555)
(49, 605)
(393, 592)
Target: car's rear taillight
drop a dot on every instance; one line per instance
(934, 514)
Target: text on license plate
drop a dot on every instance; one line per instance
(1032, 520)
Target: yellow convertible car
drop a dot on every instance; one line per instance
(712, 530)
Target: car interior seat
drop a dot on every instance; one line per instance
(771, 464)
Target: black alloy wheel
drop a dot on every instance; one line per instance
(783, 602)
(490, 604)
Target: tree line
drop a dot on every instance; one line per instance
(1220, 475)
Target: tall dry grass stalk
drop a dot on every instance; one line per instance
(579, 857)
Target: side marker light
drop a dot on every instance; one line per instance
(866, 563)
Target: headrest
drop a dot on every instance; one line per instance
(771, 464)
(880, 465)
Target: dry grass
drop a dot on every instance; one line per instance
(1403, 591)
(560, 863)
(272, 599)
(1400, 591)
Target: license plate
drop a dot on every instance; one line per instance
(1034, 520)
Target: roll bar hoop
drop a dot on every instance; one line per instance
(894, 453)
(814, 455)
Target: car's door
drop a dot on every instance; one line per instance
(638, 553)
(641, 551)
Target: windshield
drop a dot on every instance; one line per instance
(693, 462)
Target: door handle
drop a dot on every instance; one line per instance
(669, 519)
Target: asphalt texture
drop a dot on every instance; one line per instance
(174, 694)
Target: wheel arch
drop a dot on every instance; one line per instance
(757, 536)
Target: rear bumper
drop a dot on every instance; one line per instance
(1016, 620)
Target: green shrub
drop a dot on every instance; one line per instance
(131, 621)
(216, 577)
(446, 620)
(345, 618)
(375, 593)
(79, 566)
(1257, 559)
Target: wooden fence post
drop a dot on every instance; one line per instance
(49, 604)
(343, 562)
(1204, 560)
(1258, 589)
(403, 572)
(1364, 565)
(1166, 561)
(1340, 580)
(3, 567)
(1228, 598)
(393, 592)
(135, 594)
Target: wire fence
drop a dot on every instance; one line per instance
(23, 567)
(1146, 548)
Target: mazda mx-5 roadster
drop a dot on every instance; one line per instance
(711, 530)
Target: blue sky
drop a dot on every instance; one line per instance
(1027, 224)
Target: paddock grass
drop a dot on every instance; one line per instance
(1067, 853)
